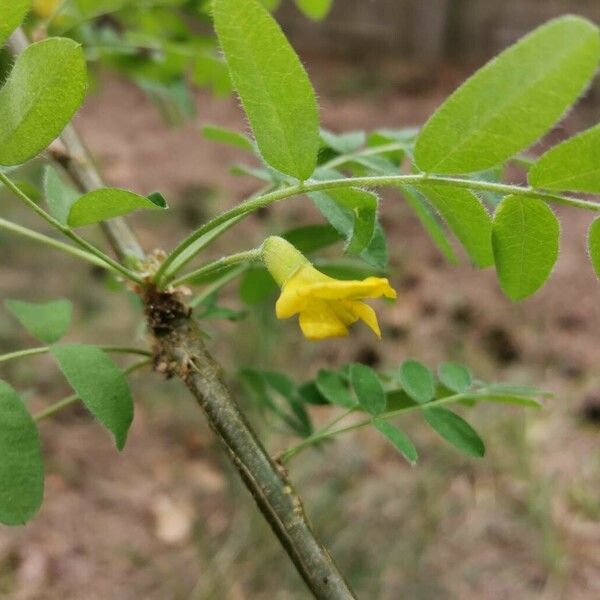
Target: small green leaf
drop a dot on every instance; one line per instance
(594, 245)
(315, 9)
(333, 387)
(368, 389)
(573, 165)
(228, 137)
(60, 196)
(455, 430)
(376, 253)
(500, 398)
(455, 377)
(512, 101)
(398, 438)
(44, 90)
(430, 223)
(107, 203)
(310, 238)
(352, 212)
(13, 12)
(21, 467)
(525, 238)
(47, 322)
(100, 385)
(343, 143)
(417, 381)
(467, 218)
(274, 88)
(257, 285)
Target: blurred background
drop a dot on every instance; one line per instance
(168, 518)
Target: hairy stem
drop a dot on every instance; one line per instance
(56, 244)
(45, 349)
(254, 204)
(240, 258)
(68, 232)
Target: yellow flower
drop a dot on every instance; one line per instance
(326, 306)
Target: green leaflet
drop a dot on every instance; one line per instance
(398, 438)
(60, 196)
(226, 136)
(455, 430)
(430, 223)
(573, 165)
(343, 143)
(274, 88)
(315, 9)
(334, 389)
(47, 321)
(368, 389)
(100, 385)
(467, 218)
(352, 211)
(512, 101)
(594, 245)
(417, 381)
(525, 238)
(107, 203)
(455, 377)
(44, 90)
(13, 12)
(21, 467)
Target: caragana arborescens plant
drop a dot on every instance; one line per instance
(450, 173)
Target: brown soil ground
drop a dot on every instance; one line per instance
(168, 519)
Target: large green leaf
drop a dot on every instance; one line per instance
(368, 389)
(525, 238)
(100, 385)
(512, 101)
(13, 12)
(398, 438)
(594, 245)
(46, 321)
(60, 196)
(44, 90)
(273, 86)
(107, 203)
(468, 219)
(573, 165)
(21, 467)
(455, 430)
(315, 9)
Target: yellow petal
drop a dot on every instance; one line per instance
(333, 289)
(367, 314)
(319, 322)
